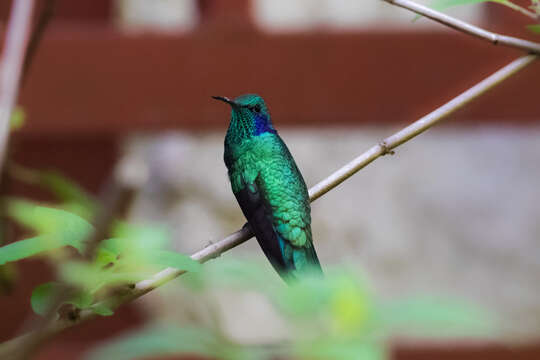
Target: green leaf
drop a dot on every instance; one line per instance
(70, 228)
(534, 28)
(75, 199)
(135, 244)
(341, 348)
(57, 228)
(26, 248)
(17, 118)
(141, 248)
(94, 277)
(82, 299)
(105, 258)
(140, 237)
(102, 310)
(175, 260)
(43, 297)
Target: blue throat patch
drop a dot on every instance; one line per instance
(262, 125)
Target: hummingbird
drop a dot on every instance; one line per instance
(269, 188)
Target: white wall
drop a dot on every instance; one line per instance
(285, 15)
(455, 211)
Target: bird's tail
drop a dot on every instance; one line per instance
(299, 261)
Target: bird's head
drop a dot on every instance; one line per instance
(249, 114)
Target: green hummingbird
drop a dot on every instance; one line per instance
(269, 188)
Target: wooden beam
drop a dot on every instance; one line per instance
(96, 80)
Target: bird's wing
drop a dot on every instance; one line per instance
(285, 256)
(258, 212)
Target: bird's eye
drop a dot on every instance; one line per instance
(256, 108)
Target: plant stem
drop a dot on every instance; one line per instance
(496, 39)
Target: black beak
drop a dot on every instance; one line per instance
(225, 99)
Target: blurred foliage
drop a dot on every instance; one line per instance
(335, 317)
(133, 254)
(55, 228)
(70, 195)
(18, 118)
(161, 340)
(534, 28)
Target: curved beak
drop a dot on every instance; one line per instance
(225, 99)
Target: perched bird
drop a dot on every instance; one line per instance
(269, 188)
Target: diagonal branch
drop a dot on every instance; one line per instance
(495, 39)
(239, 237)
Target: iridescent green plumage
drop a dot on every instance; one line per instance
(269, 188)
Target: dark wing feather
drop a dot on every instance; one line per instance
(259, 215)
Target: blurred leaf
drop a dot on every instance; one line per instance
(17, 119)
(160, 341)
(135, 244)
(141, 248)
(237, 273)
(43, 297)
(342, 349)
(74, 198)
(56, 227)
(305, 298)
(94, 277)
(534, 28)
(102, 310)
(81, 299)
(175, 260)
(433, 316)
(105, 258)
(141, 238)
(351, 306)
(70, 228)
(25, 248)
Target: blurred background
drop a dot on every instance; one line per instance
(123, 87)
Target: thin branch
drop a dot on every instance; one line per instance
(418, 126)
(521, 10)
(496, 39)
(237, 238)
(20, 23)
